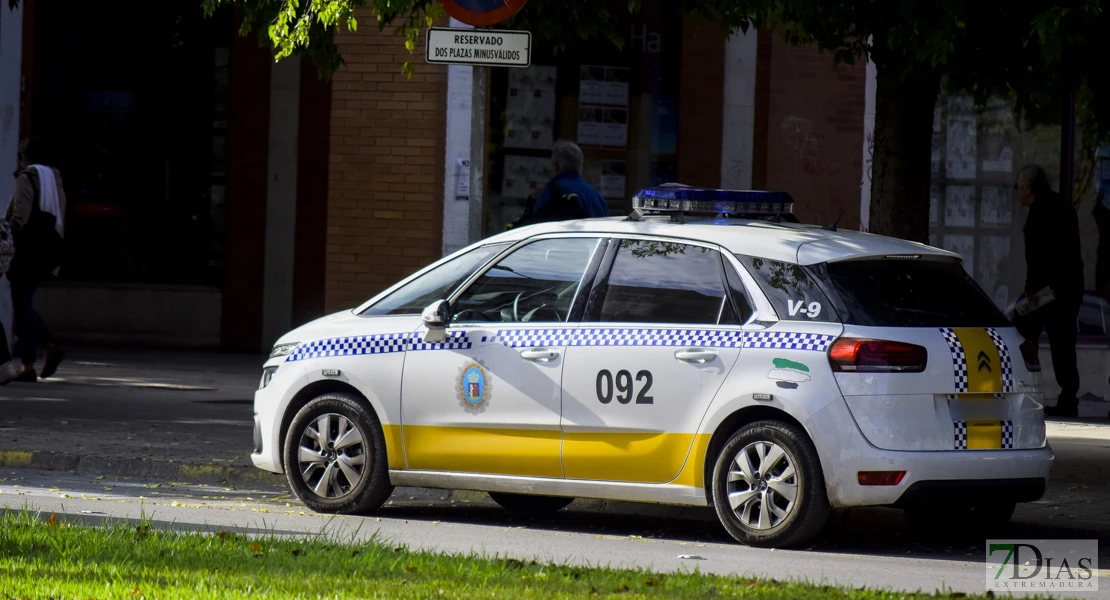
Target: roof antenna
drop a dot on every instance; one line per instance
(836, 222)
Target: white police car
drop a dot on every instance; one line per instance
(770, 369)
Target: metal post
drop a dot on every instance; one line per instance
(478, 123)
(1067, 147)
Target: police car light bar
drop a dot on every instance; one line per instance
(674, 198)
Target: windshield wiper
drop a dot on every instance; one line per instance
(511, 270)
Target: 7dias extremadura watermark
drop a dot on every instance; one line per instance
(1042, 566)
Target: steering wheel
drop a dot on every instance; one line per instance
(516, 306)
(529, 314)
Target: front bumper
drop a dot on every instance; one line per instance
(966, 474)
(270, 404)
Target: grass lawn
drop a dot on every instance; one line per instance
(55, 559)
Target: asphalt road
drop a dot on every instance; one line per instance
(866, 548)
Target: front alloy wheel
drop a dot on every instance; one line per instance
(335, 456)
(332, 456)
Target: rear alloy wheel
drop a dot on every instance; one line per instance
(335, 457)
(523, 504)
(768, 487)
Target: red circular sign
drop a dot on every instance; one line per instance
(483, 13)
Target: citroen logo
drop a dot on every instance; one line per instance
(985, 362)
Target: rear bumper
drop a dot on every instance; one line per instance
(969, 491)
(963, 474)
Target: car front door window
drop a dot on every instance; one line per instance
(536, 283)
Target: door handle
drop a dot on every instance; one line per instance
(539, 354)
(695, 356)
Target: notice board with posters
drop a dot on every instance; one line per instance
(603, 106)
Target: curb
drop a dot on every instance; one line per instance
(139, 467)
(247, 475)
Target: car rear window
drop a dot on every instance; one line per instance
(910, 293)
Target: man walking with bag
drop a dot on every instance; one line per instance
(1054, 281)
(37, 218)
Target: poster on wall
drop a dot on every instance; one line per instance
(997, 208)
(964, 245)
(603, 85)
(601, 126)
(530, 108)
(994, 261)
(612, 179)
(962, 139)
(524, 176)
(959, 206)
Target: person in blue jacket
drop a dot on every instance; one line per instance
(567, 196)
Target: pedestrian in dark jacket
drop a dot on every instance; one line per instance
(37, 218)
(567, 196)
(1053, 260)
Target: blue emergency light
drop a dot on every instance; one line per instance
(678, 199)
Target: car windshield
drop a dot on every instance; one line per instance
(892, 292)
(413, 297)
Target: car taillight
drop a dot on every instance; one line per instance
(1032, 360)
(849, 355)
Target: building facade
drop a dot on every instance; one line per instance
(218, 199)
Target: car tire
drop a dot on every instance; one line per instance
(524, 504)
(781, 460)
(353, 456)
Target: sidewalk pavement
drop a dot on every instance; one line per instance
(187, 417)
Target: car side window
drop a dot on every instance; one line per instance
(438, 283)
(536, 283)
(665, 282)
(790, 288)
(742, 307)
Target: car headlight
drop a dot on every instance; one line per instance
(267, 376)
(283, 349)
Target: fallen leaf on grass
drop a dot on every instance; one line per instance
(255, 547)
(52, 521)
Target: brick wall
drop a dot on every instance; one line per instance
(812, 144)
(385, 170)
(700, 110)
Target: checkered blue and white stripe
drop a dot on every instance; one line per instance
(707, 338)
(959, 359)
(384, 343)
(780, 340)
(1008, 434)
(535, 338)
(1006, 360)
(540, 337)
(960, 428)
(456, 340)
(351, 346)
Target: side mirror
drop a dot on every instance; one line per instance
(437, 317)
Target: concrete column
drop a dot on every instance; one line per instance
(456, 208)
(11, 78)
(737, 144)
(281, 200)
(868, 147)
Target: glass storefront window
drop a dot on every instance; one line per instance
(976, 156)
(619, 105)
(140, 136)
